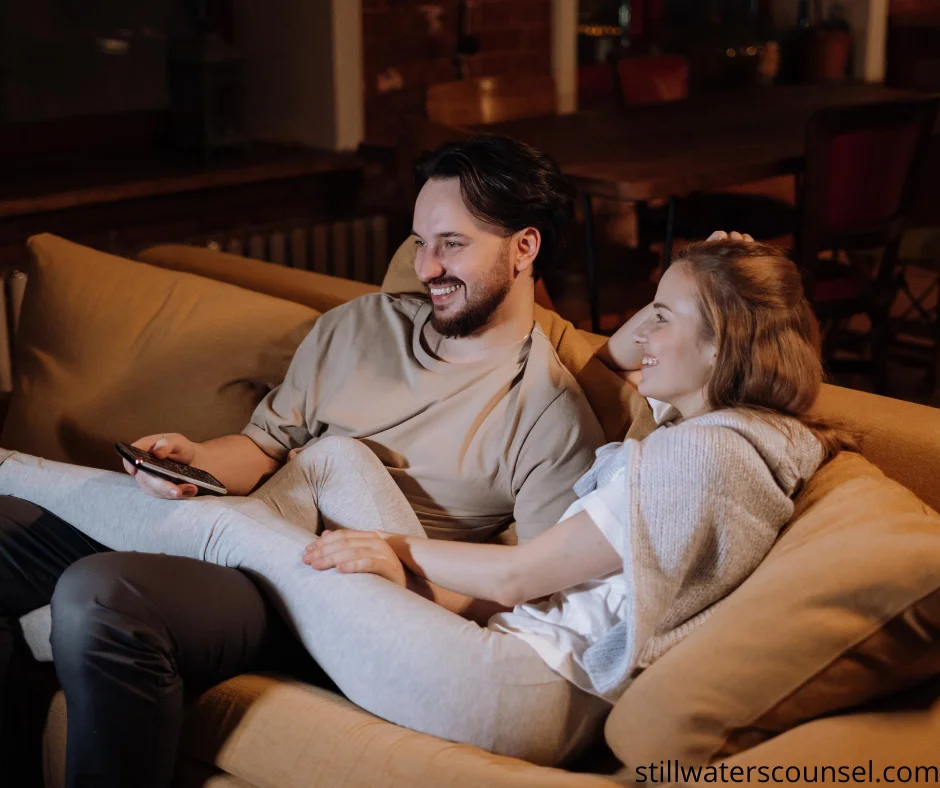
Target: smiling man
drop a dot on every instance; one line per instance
(461, 397)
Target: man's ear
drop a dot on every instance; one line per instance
(524, 246)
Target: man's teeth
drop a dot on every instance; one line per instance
(649, 361)
(439, 291)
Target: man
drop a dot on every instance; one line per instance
(460, 396)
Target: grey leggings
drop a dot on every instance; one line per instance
(390, 651)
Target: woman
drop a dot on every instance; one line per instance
(663, 530)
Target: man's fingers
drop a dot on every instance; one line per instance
(158, 488)
(129, 468)
(718, 235)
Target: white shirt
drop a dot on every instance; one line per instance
(562, 627)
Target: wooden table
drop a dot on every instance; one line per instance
(663, 151)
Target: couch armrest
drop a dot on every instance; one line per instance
(901, 438)
(319, 291)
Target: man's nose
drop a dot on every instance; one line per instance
(428, 265)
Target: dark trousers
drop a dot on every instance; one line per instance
(132, 632)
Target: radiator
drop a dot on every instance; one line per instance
(12, 287)
(353, 249)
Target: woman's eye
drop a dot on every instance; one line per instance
(660, 318)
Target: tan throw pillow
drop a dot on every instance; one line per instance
(845, 609)
(318, 291)
(619, 408)
(109, 349)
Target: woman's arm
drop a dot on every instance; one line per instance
(621, 352)
(569, 553)
(565, 555)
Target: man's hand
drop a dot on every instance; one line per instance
(356, 551)
(170, 445)
(721, 235)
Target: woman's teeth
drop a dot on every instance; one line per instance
(650, 361)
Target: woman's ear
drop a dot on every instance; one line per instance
(525, 245)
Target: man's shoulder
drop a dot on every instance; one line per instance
(550, 385)
(546, 367)
(375, 308)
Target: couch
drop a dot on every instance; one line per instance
(826, 658)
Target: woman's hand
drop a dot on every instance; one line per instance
(721, 235)
(356, 551)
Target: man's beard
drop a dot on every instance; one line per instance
(479, 308)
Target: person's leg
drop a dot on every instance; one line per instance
(343, 480)
(129, 630)
(110, 508)
(35, 548)
(392, 652)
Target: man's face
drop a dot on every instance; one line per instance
(464, 263)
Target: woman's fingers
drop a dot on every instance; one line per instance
(721, 235)
(355, 551)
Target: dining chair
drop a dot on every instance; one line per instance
(597, 86)
(860, 174)
(660, 78)
(647, 79)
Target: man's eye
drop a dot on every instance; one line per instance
(451, 244)
(419, 242)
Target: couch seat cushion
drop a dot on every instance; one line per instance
(274, 732)
(109, 349)
(844, 610)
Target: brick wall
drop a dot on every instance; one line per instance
(410, 44)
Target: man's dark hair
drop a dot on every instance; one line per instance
(508, 184)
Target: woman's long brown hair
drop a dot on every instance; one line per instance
(755, 311)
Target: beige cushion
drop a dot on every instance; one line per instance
(901, 438)
(616, 403)
(278, 733)
(902, 731)
(110, 349)
(845, 609)
(318, 291)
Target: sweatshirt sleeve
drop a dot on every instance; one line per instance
(281, 421)
(556, 453)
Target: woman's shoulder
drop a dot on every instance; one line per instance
(730, 439)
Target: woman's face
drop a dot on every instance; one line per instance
(677, 361)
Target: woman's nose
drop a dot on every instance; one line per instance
(642, 335)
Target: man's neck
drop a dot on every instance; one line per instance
(510, 326)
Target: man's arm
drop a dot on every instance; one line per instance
(235, 460)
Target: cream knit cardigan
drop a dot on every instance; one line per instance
(706, 499)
